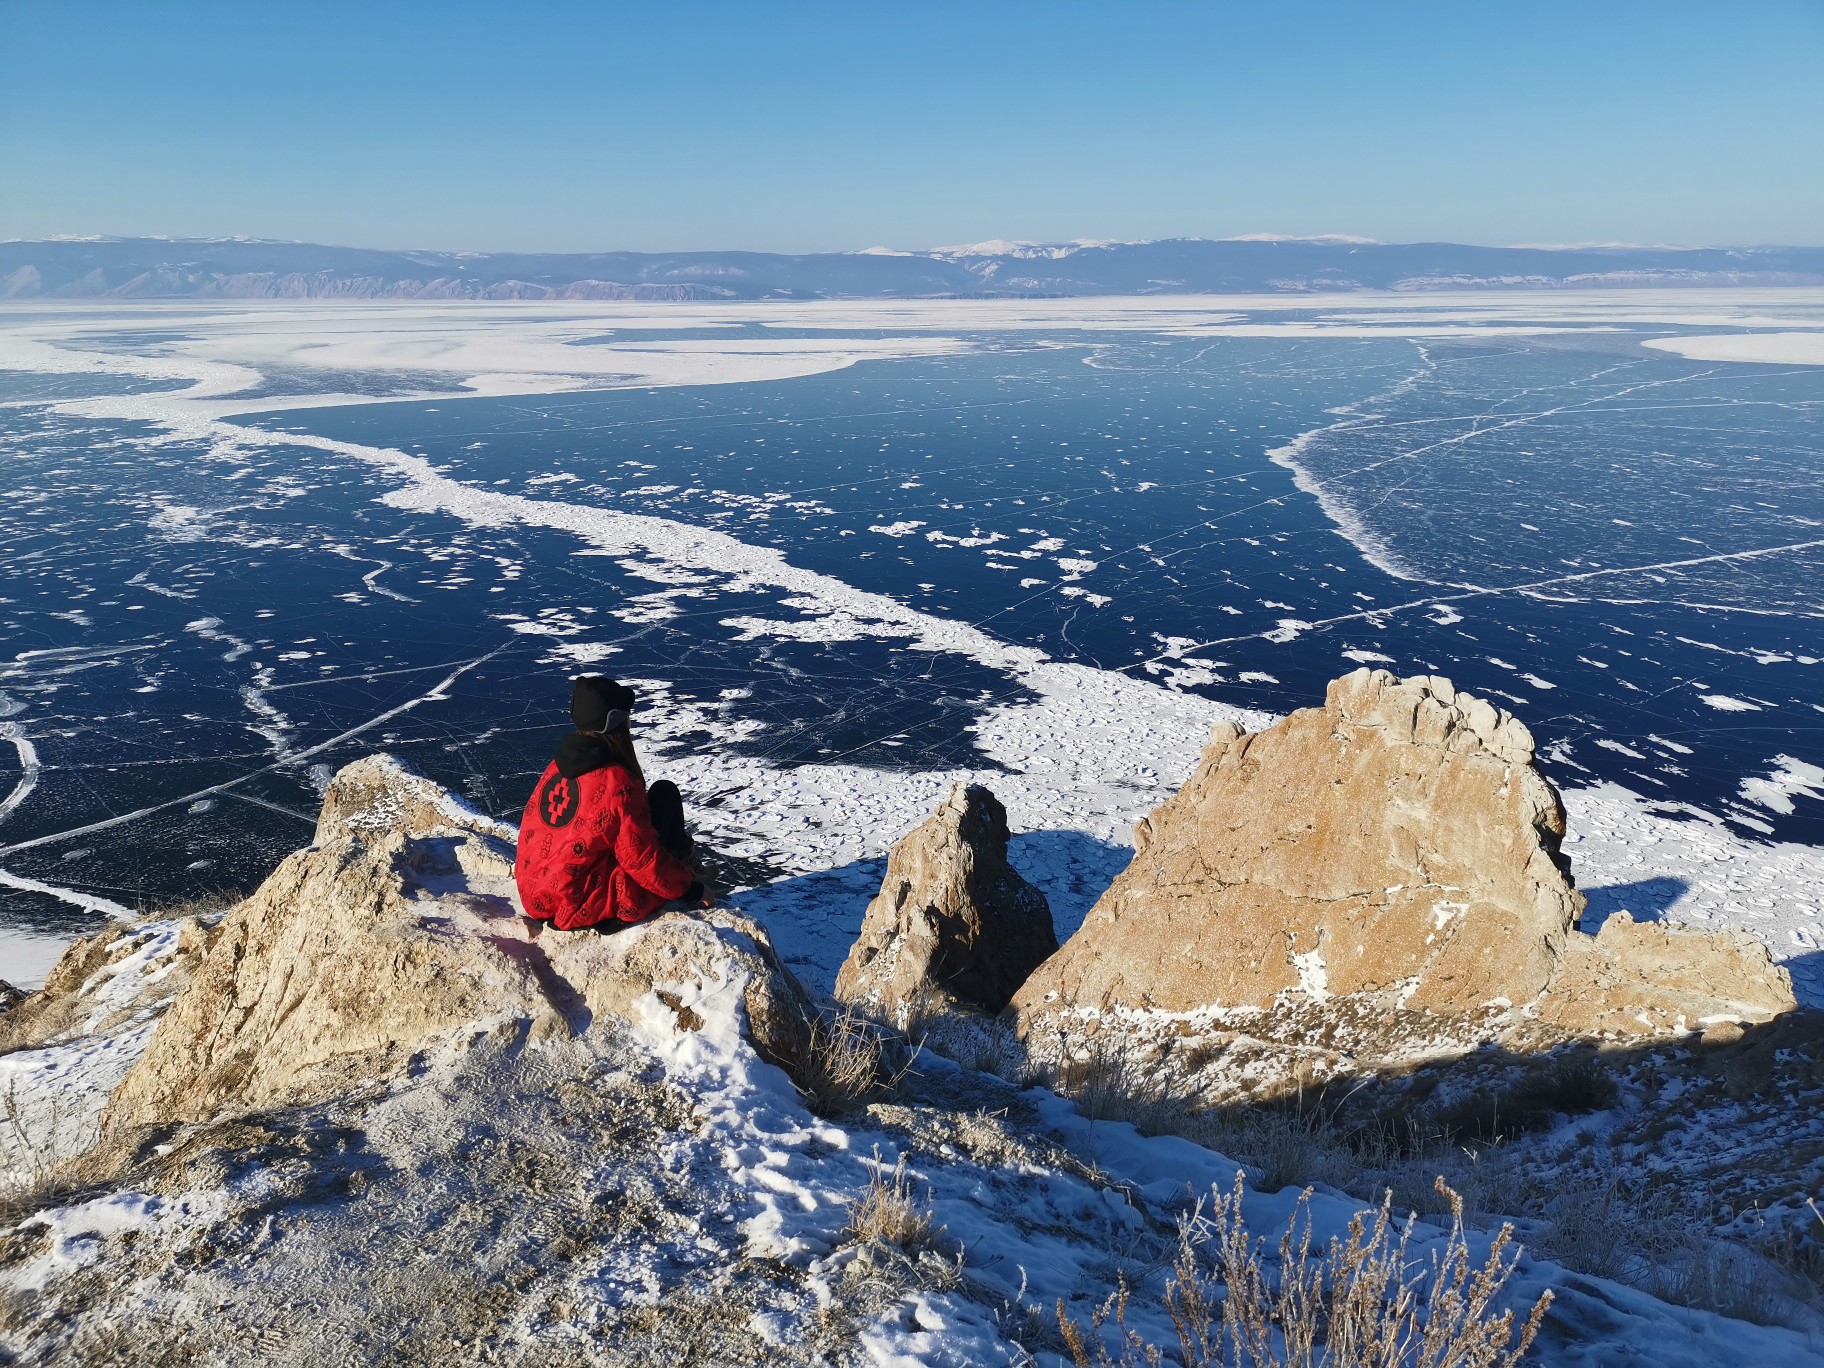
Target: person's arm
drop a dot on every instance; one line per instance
(641, 855)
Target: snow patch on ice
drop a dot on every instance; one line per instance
(1724, 703)
(1791, 778)
(1765, 348)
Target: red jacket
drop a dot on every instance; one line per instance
(587, 850)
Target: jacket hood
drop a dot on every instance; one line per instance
(578, 754)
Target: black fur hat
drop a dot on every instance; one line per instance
(598, 703)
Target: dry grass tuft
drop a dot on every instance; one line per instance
(37, 1168)
(1594, 1221)
(1109, 1084)
(1645, 1239)
(206, 904)
(848, 1059)
(1570, 1085)
(1355, 1304)
(889, 1210)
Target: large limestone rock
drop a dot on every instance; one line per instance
(1394, 852)
(400, 929)
(1395, 841)
(953, 922)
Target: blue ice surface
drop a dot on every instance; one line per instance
(1567, 512)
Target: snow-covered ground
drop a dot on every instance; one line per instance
(658, 1192)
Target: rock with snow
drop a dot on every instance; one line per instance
(1392, 855)
(954, 923)
(102, 980)
(377, 794)
(36, 1017)
(597, 1167)
(399, 930)
(1396, 841)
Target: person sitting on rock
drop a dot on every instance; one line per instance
(597, 848)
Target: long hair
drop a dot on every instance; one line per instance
(620, 741)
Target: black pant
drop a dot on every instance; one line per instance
(667, 807)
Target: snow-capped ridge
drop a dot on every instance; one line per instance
(1022, 250)
(248, 268)
(1342, 239)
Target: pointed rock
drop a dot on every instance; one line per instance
(953, 919)
(377, 794)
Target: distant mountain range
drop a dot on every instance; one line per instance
(238, 268)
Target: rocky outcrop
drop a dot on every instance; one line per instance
(1646, 979)
(1396, 841)
(954, 924)
(377, 794)
(1392, 854)
(44, 1013)
(399, 929)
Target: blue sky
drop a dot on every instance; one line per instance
(802, 127)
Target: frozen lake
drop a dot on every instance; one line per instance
(854, 549)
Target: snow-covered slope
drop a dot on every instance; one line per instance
(663, 1196)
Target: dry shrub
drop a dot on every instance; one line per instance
(1647, 1240)
(206, 904)
(1355, 1304)
(889, 1210)
(895, 1247)
(1566, 1086)
(41, 1154)
(973, 1040)
(848, 1059)
(1109, 1083)
(1644, 1238)
(30, 1163)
